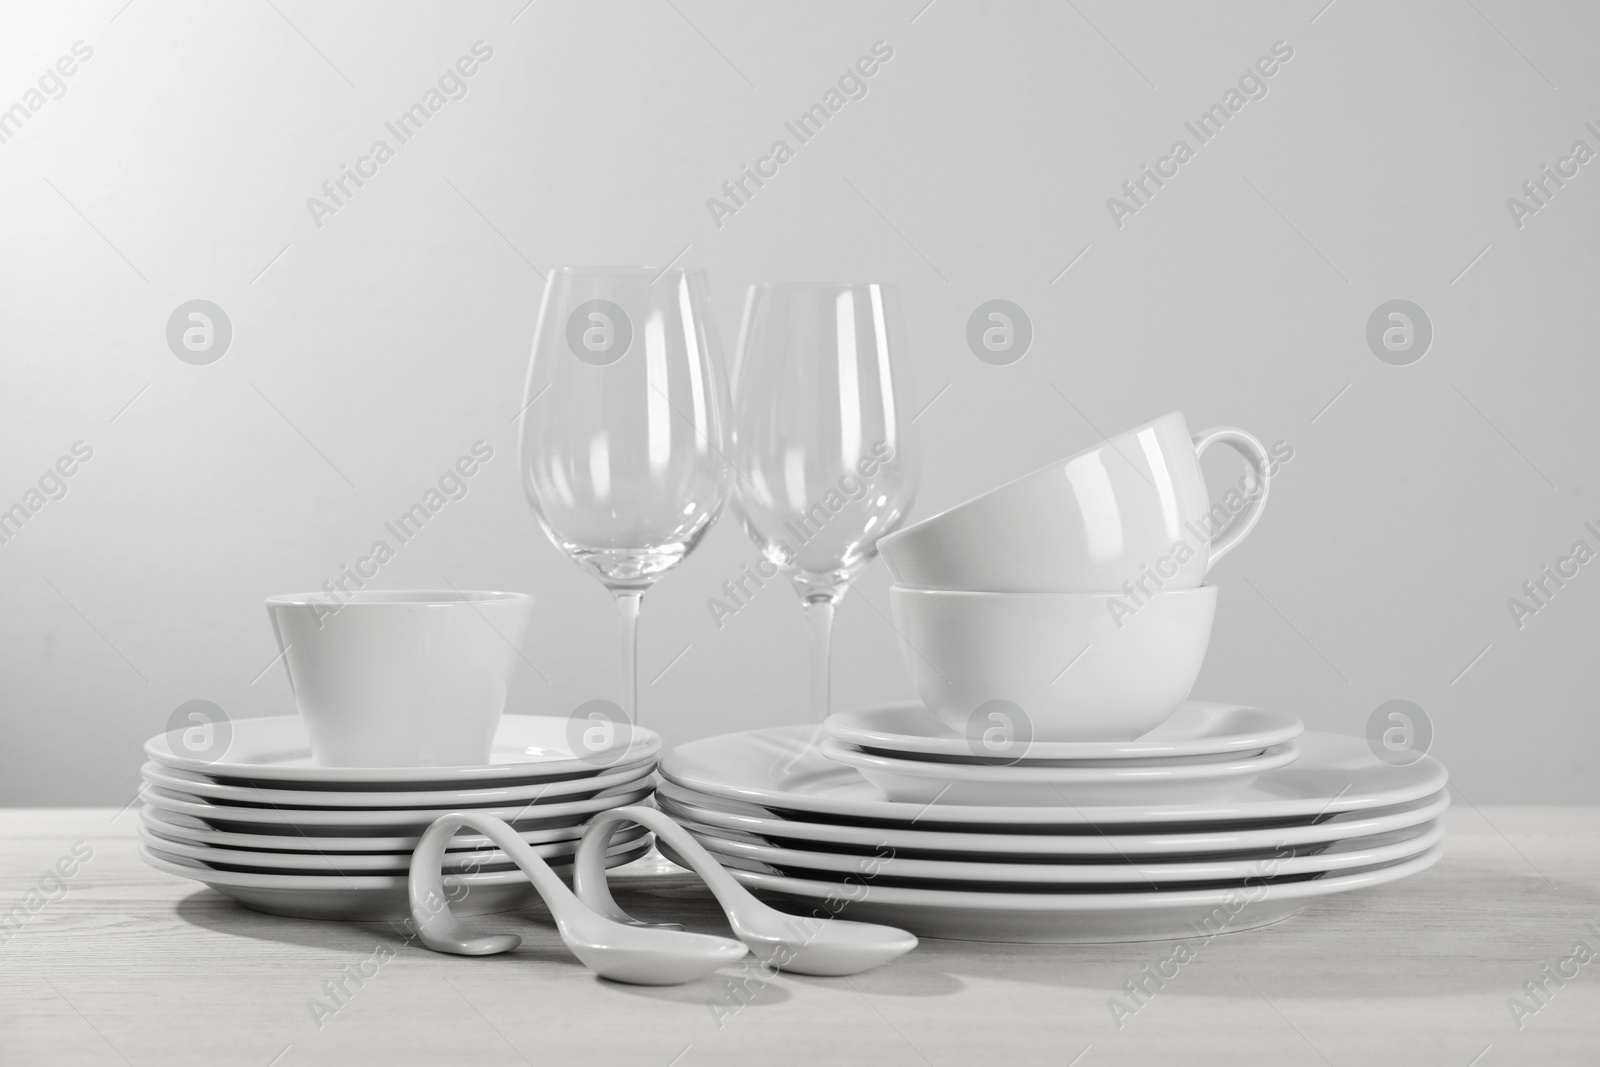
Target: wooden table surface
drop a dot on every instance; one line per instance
(133, 966)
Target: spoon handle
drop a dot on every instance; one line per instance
(589, 871)
(436, 925)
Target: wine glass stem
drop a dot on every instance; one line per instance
(819, 620)
(628, 601)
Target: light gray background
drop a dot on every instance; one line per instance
(369, 353)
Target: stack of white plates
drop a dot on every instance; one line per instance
(268, 828)
(1203, 752)
(787, 816)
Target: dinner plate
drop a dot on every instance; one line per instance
(1102, 764)
(200, 785)
(277, 749)
(1074, 918)
(360, 863)
(388, 822)
(1196, 728)
(760, 826)
(372, 898)
(1103, 782)
(778, 768)
(888, 868)
(194, 831)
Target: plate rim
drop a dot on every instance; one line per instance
(392, 818)
(242, 857)
(889, 810)
(1143, 900)
(331, 882)
(221, 792)
(1289, 727)
(397, 842)
(1432, 833)
(641, 738)
(1432, 806)
(1021, 774)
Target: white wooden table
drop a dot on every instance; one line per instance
(132, 966)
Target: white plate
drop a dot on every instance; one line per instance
(390, 822)
(765, 828)
(195, 832)
(1076, 918)
(1105, 782)
(1143, 873)
(1197, 728)
(276, 749)
(376, 898)
(200, 785)
(359, 863)
(778, 768)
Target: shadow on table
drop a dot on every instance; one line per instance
(681, 900)
(1449, 930)
(1446, 931)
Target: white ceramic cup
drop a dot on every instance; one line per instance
(1112, 515)
(1008, 668)
(400, 679)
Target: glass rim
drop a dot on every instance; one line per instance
(627, 272)
(397, 598)
(824, 285)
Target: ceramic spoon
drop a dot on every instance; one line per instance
(640, 955)
(802, 944)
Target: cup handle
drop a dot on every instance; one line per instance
(1248, 447)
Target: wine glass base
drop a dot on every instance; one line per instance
(651, 865)
(630, 570)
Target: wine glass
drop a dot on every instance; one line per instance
(623, 438)
(825, 460)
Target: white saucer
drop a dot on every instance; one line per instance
(195, 784)
(195, 831)
(276, 749)
(1197, 728)
(388, 822)
(354, 864)
(762, 827)
(1102, 782)
(372, 898)
(779, 768)
(1077, 918)
(1142, 874)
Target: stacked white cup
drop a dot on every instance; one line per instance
(1073, 596)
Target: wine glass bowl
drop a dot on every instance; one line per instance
(825, 462)
(622, 434)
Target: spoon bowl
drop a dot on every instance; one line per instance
(637, 955)
(800, 944)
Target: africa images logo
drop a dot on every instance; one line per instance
(1252, 85)
(599, 332)
(452, 85)
(852, 85)
(1538, 191)
(52, 86)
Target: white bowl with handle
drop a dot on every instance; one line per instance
(1131, 511)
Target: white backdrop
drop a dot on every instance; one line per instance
(374, 343)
